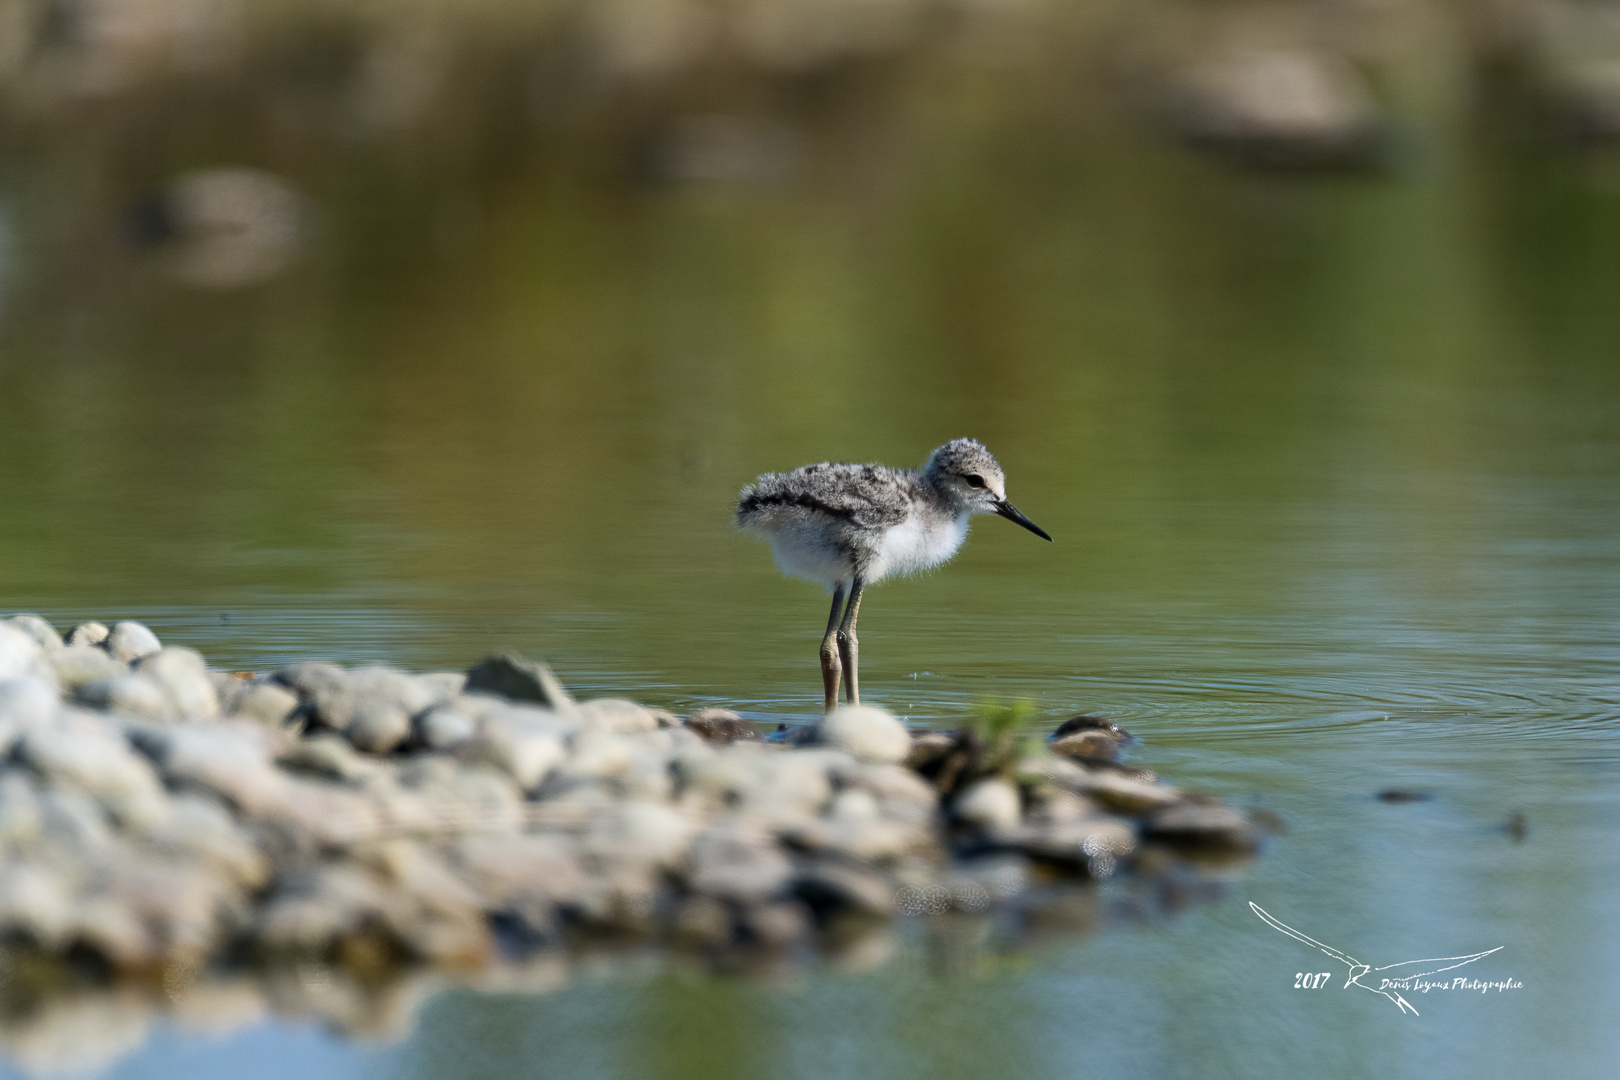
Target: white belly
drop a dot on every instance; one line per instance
(811, 551)
(911, 546)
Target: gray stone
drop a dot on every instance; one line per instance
(442, 727)
(87, 633)
(80, 749)
(619, 716)
(26, 702)
(267, 703)
(20, 654)
(183, 676)
(510, 676)
(1202, 825)
(524, 742)
(42, 632)
(135, 694)
(1089, 745)
(328, 756)
(991, 804)
(130, 641)
(77, 665)
(720, 727)
(443, 685)
(382, 703)
(866, 733)
(835, 890)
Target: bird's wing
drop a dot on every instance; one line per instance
(870, 496)
(1343, 958)
(1446, 964)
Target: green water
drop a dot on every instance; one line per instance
(1332, 464)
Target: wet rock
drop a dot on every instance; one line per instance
(991, 805)
(702, 922)
(720, 727)
(1126, 795)
(1093, 745)
(1078, 724)
(129, 641)
(1403, 795)
(834, 890)
(928, 749)
(1201, 825)
(1091, 846)
(510, 676)
(43, 633)
(87, 633)
(866, 733)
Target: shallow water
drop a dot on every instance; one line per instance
(1333, 467)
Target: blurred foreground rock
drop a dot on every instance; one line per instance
(170, 826)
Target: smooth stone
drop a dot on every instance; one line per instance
(1088, 745)
(42, 632)
(384, 703)
(928, 748)
(129, 641)
(136, 694)
(20, 654)
(26, 702)
(19, 809)
(720, 727)
(510, 676)
(81, 750)
(34, 904)
(442, 727)
(867, 733)
(596, 752)
(266, 703)
(183, 675)
(327, 756)
(87, 633)
(620, 716)
(521, 742)
(1125, 795)
(990, 805)
(834, 890)
(1077, 724)
(1194, 824)
(443, 685)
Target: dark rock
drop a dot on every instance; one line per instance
(510, 676)
(1078, 724)
(1402, 795)
(833, 890)
(1198, 825)
(928, 749)
(720, 726)
(1092, 745)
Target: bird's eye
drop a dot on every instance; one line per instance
(974, 480)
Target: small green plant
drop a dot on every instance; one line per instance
(1004, 731)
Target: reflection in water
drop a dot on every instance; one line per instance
(1337, 452)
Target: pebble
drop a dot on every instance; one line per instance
(867, 733)
(991, 805)
(130, 641)
(87, 633)
(510, 676)
(43, 633)
(720, 727)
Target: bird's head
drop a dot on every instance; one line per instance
(970, 477)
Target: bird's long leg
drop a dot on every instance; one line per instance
(829, 652)
(848, 646)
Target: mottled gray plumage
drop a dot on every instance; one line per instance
(847, 526)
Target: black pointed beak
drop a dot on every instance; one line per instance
(1010, 512)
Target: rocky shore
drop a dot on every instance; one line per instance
(163, 822)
